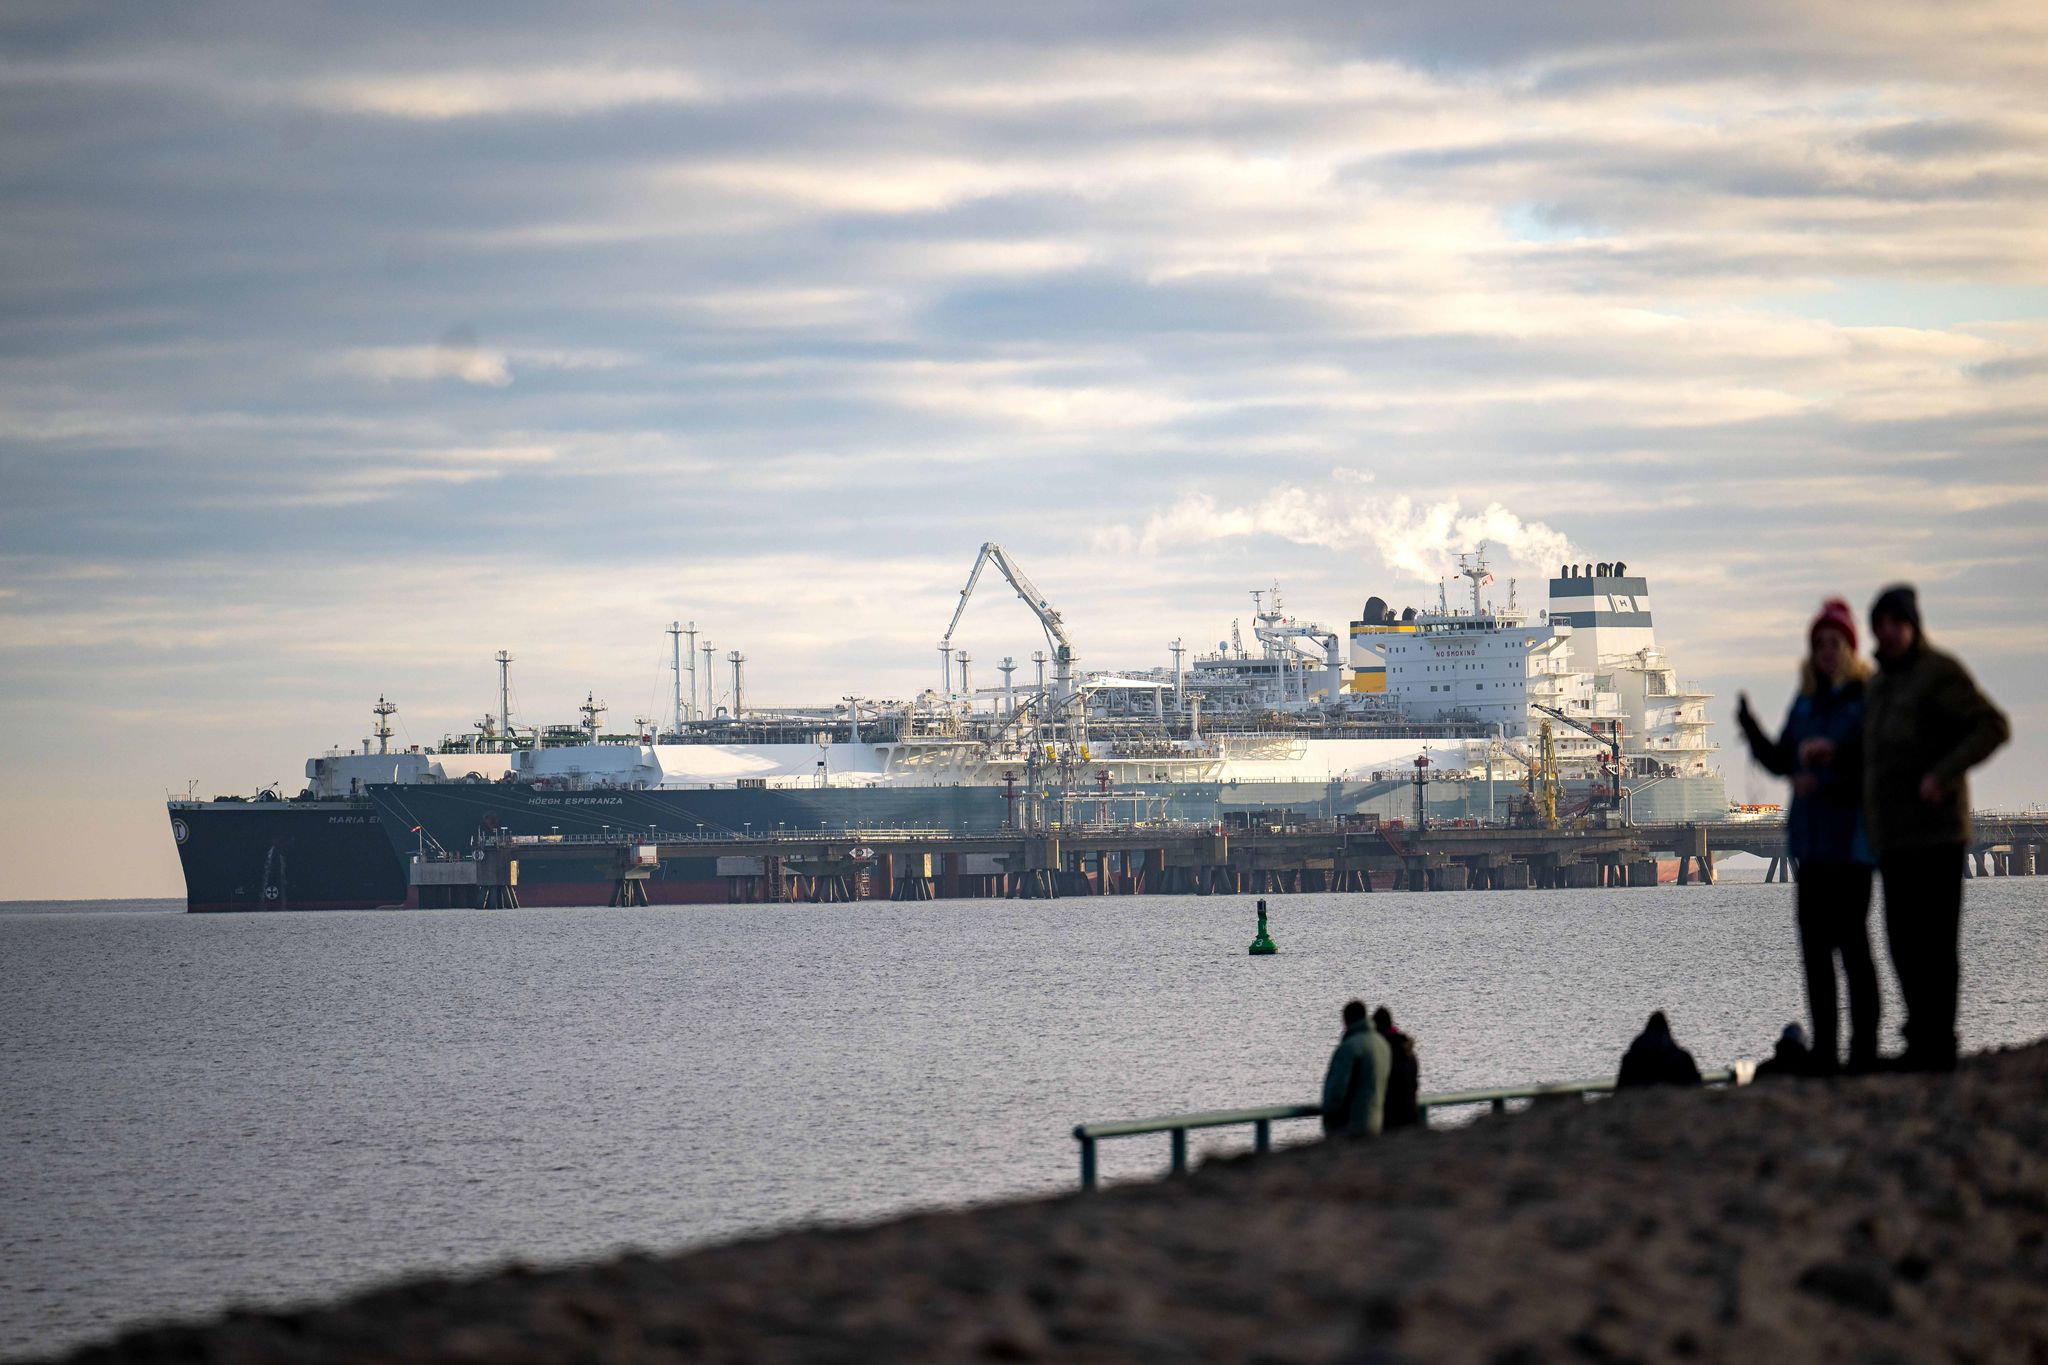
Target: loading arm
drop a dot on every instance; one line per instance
(1613, 745)
(1049, 619)
(1612, 742)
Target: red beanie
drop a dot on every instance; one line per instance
(1834, 615)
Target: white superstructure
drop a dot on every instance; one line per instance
(1591, 659)
(1469, 686)
(1614, 643)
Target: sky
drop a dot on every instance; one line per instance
(343, 346)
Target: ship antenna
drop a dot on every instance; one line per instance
(383, 711)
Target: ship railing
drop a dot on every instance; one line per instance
(621, 836)
(625, 834)
(1497, 1098)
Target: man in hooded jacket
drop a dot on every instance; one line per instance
(1925, 726)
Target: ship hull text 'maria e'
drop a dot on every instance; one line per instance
(1577, 700)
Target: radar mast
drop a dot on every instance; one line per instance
(1473, 566)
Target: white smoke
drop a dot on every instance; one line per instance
(1415, 541)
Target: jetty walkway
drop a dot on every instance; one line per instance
(1345, 854)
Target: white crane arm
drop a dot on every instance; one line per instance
(1033, 598)
(1055, 633)
(946, 640)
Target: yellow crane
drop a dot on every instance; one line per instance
(1542, 781)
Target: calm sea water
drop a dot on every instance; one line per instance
(202, 1110)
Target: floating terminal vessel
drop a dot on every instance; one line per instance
(1579, 703)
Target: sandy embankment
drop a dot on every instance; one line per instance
(1888, 1219)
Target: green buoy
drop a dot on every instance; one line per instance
(1263, 944)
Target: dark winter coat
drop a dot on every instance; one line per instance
(1826, 826)
(1924, 715)
(1656, 1059)
(1404, 1078)
(1355, 1086)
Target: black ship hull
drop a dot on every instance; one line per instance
(446, 818)
(285, 855)
(449, 817)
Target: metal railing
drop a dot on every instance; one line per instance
(1177, 1126)
(626, 834)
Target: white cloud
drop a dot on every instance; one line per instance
(481, 91)
(884, 184)
(1417, 541)
(469, 364)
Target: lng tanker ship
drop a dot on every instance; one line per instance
(1299, 720)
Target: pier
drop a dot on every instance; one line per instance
(835, 866)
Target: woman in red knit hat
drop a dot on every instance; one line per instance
(1821, 749)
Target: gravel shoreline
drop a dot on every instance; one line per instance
(1872, 1220)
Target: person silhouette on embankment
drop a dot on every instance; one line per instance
(1355, 1086)
(1820, 748)
(1791, 1057)
(1925, 725)
(1404, 1074)
(1655, 1058)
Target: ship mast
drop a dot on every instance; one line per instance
(505, 694)
(675, 664)
(383, 711)
(1473, 566)
(691, 655)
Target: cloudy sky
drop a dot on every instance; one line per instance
(342, 347)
